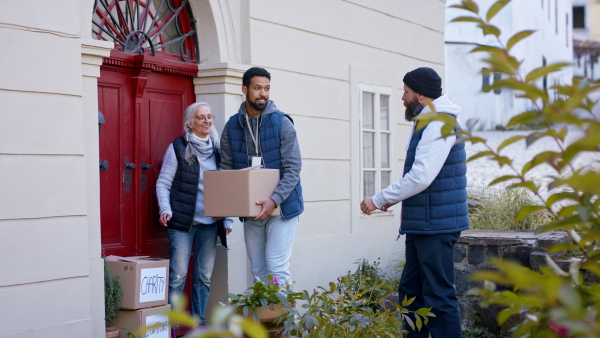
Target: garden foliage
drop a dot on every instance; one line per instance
(552, 302)
(357, 306)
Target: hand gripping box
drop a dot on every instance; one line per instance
(229, 193)
(133, 320)
(144, 280)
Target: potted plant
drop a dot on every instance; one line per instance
(112, 298)
(265, 300)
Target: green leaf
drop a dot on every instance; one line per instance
(545, 70)
(489, 30)
(510, 141)
(487, 49)
(524, 118)
(561, 196)
(253, 329)
(495, 8)
(526, 211)
(475, 140)
(518, 37)
(504, 315)
(480, 154)
(529, 185)
(470, 5)
(466, 19)
(503, 179)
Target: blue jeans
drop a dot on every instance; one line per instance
(269, 246)
(204, 239)
(428, 275)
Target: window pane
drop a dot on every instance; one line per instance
(368, 150)
(385, 150)
(368, 121)
(384, 109)
(368, 183)
(385, 179)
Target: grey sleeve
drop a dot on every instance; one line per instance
(291, 162)
(226, 156)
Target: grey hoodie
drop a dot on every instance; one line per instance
(291, 160)
(431, 153)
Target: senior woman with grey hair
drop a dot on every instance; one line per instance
(180, 191)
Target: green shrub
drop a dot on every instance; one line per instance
(357, 306)
(497, 208)
(112, 294)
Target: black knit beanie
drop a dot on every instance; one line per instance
(424, 81)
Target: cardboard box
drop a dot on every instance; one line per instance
(145, 280)
(235, 192)
(132, 320)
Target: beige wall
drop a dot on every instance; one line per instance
(319, 53)
(51, 284)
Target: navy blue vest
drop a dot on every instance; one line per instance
(442, 207)
(184, 190)
(270, 146)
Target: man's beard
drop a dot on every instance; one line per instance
(413, 109)
(257, 106)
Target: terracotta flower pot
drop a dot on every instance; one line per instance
(270, 314)
(112, 332)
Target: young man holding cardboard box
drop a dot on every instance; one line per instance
(260, 134)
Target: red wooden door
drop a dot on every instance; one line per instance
(143, 108)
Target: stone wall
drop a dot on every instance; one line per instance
(473, 252)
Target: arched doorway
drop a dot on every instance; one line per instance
(142, 91)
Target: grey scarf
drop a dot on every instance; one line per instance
(197, 147)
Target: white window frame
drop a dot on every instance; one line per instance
(377, 91)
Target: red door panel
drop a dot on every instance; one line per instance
(164, 113)
(116, 146)
(143, 112)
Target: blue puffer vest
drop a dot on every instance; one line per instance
(442, 207)
(184, 190)
(270, 144)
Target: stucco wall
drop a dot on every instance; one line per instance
(319, 53)
(51, 285)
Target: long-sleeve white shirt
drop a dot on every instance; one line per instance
(431, 153)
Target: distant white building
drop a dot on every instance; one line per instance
(552, 42)
(586, 35)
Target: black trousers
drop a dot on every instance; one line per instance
(428, 275)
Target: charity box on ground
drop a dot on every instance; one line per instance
(144, 280)
(154, 317)
(234, 193)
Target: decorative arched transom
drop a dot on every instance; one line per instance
(147, 26)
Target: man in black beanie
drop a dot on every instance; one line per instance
(434, 206)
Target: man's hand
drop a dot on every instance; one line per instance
(386, 207)
(228, 231)
(164, 218)
(267, 209)
(367, 206)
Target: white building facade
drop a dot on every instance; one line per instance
(337, 69)
(552, 43)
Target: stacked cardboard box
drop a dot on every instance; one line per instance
(145, 294)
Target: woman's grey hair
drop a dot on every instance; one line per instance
(188, 116)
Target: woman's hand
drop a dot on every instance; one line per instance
(164, 218)
(228, 231)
